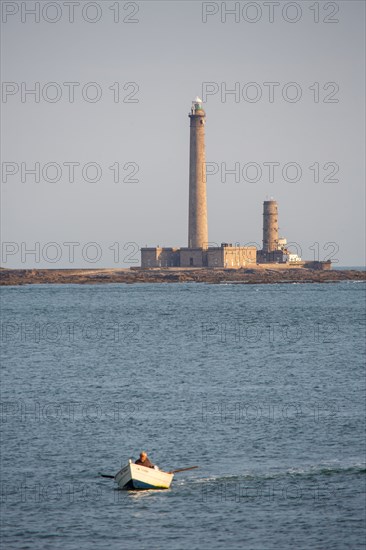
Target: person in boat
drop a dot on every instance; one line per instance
(144, 461)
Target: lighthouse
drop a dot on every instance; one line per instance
(198, 254)
(197, 215)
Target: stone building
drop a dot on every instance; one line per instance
(224, 256)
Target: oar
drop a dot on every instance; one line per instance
(182, 470)
(106, 475)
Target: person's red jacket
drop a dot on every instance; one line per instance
(146, 463)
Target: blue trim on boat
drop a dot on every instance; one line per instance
(141, 485)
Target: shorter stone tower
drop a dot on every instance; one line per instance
(270, 226)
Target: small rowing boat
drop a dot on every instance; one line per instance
(135, 476)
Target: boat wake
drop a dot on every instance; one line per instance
(306, 472)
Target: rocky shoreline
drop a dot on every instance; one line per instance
(267, 275)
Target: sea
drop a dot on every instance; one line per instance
(260, 386)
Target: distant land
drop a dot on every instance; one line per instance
(257, 275)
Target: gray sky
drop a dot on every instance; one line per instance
(163, 60)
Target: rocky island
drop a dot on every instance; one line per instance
(257, 275)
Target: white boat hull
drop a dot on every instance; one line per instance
(134, 476)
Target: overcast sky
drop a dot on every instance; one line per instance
(148, 60)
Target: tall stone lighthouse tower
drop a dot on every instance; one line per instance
(197, 220)
(270, 226)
